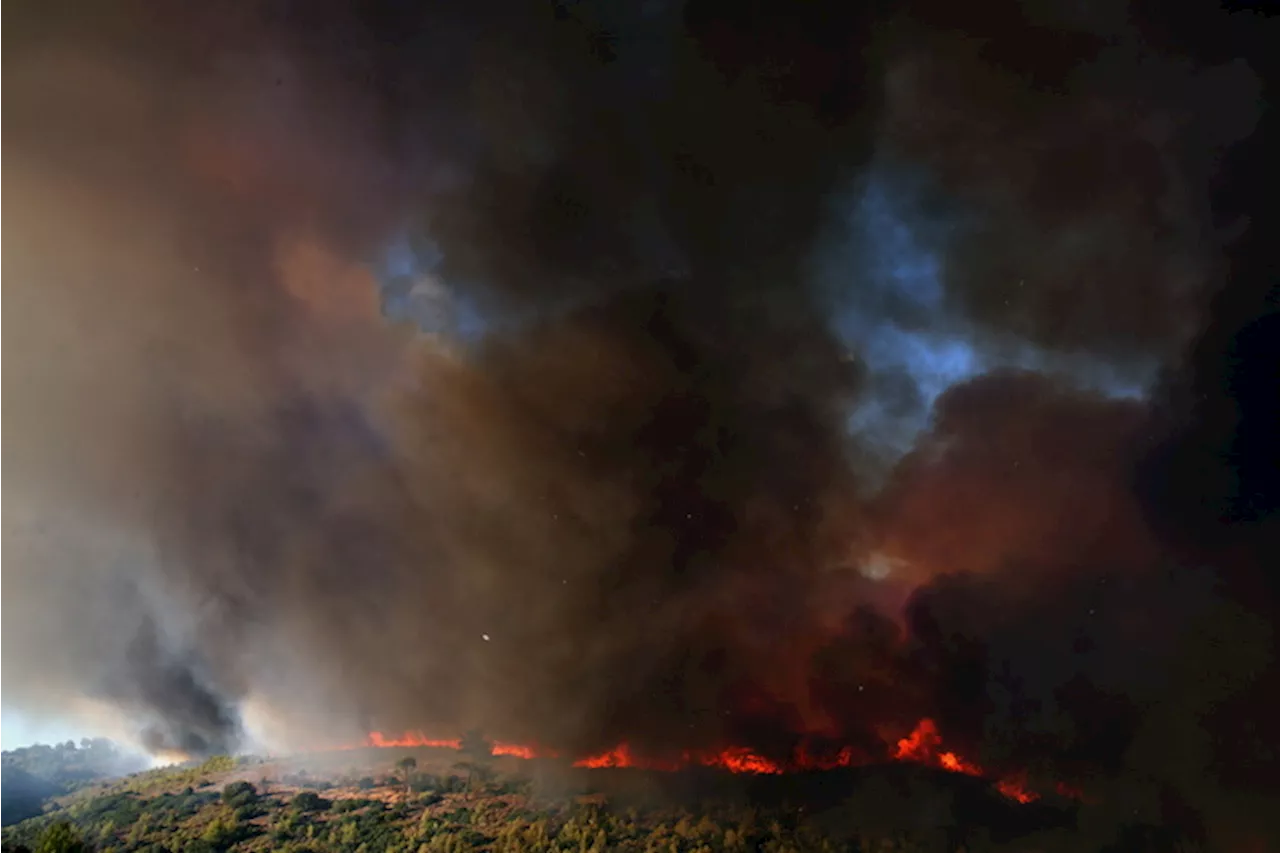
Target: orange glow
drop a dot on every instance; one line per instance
(1069, 791)
(411, 739)
(1015, 789)
(922, 746)
(846, 757)
(514, 749)
(734, 759)
(741, 760)
(619, 756)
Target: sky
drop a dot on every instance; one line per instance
(17, 730)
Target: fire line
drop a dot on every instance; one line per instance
(922, 746)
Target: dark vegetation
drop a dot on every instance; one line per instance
(71, 762)
(23, 794)
(34, 774)
(431, 804)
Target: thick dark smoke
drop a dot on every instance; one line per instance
(514, 366)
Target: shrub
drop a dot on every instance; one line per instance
(244, 814)
(423, 782)
(239, 794)
(60, 838)
(310, 801)
(345, 806)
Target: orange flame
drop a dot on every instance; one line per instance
(619, 756)
(515, 749)
(922, 746)
(735, 759)
(741, 760)
(411, 739)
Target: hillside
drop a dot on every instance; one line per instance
(34, 774)
(215, 807)
(423, 800)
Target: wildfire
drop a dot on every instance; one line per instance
(733, 759)
(621, 756)
(922, 746)
(418, 739)
(411, 739)
(515, 749)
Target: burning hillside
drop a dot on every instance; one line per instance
(922, 746)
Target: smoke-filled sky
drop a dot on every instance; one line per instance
(19, 730)
(681, 375)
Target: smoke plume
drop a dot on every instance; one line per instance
(676, 375)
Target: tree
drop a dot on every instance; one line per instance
(309, 801)
(60, 838)
(22, 794)
(476, 771)
(238, 794)
(407, 765)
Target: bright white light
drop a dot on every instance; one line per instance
(879, 566)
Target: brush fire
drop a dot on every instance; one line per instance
(922, 746)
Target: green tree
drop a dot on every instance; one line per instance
(218, 764)
(238, 794)
(310, 801)
(61, 838)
